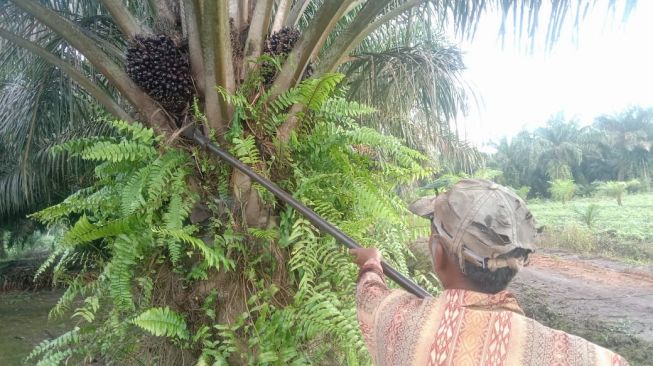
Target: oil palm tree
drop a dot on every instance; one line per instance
(207, 50)
(388, 47)
(67, 57)
(562, 153)
(517, 158)
(628, 141)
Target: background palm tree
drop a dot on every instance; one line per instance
(613, 148)
(517, 158)
(629, 136)
(562, 152)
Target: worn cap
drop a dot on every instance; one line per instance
(480, 221)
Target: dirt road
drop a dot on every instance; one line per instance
(586, 295)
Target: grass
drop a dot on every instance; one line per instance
(624, 231)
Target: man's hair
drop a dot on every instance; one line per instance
(491, 282)
(487, 281)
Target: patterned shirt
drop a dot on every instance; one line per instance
(461, 327)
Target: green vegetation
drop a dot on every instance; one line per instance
(617, 190)
(562, 190)
(613, 189)
(623, 231)
(597, 177)
(589, 214)
(140, 206)
(613, 149)
(170, 256)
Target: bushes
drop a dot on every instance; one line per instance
(589, 215)
(523, 192)
(571, 236)
(618, 189)
(621, 231)
(562, 190)
(613, 189)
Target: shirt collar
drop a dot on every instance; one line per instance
(501, 301)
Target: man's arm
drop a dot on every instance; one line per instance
(371, 290)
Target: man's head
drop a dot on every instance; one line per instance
(482, 234)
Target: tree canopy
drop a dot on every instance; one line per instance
(613, 148)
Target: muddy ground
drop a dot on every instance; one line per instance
(606, 301)
(24, 323)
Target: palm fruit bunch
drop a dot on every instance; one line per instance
(280, 44)
(162, 69)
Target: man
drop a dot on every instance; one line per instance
(481, 235)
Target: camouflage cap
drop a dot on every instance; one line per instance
(481, 221)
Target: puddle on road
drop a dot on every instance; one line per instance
(24, 323)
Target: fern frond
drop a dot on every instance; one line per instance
(54, 358)
(110, 169)
(265, 234)
(162, 322)
(342, 111)
(147, 286)
(162, 172)
(314, 92)
(47, 263)
(84, 231)
(214, 257)
(75, 289)
(77, 146)
(285, 101)
(88, 311)
(245, 150)
(131, 197)
(341, 107)
(116, 152)
(177, 211)
(137, 131)
(237, 100)
(75, 203)
(67, 339)
(121, 272)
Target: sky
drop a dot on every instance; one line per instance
(606, 68)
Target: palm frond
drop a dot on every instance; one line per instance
(40, 106)
(417, 90)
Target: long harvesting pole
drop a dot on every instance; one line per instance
(311, 215)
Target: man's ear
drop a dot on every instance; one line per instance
(440, 256)
(437, 253)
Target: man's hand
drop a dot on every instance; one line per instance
(364, 254)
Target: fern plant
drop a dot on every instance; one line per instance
(134, 216)
(151, 278)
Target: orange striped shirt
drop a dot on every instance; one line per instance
(461, 327)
